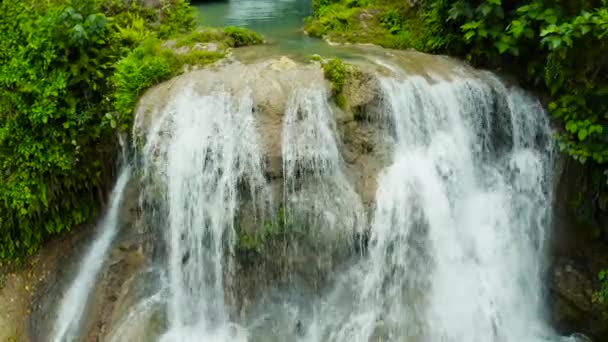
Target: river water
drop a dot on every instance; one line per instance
(280, 21)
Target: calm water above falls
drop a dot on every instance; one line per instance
(276, 19)
(280, 21)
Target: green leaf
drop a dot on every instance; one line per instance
(551, 19)
(552, 106)
(548, 30)
(471, 25)
(485, 9)
(517, 28)
(554, 42)
(501, 46)
(469, 35)
(582, 134)
(571, 126)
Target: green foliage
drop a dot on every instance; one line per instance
(548, 45)
(70, 75)
(239, 36)
(601, 296)
(232, 36)
(53, 66)
(151, 63)
(386, 23)
(176, 16)
(146, 66)
(271, 233)
(336, 72)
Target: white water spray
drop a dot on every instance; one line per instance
(317, 193)
(73, 303)
(458, 235)
(207, 153)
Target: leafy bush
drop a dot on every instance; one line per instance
(70, 74)
(601, 296)
(146, 66)
(386, 23)
(176, 16)
(232, 36)
(54, 62)
(239, 36)
(336, 72)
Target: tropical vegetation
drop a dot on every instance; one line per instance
(70, 75)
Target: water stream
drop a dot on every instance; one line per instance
(72, 307)
(210, 153)
(459, 231)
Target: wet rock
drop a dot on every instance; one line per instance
(362, 92)
(577, 258)
(573, 286)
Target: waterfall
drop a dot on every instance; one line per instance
(73, 304)
(458, 234)
(203, 156)
(451, 248)
(317, 194)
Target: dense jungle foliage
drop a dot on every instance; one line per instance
(70, 74)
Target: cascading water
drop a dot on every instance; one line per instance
(205, 153)
(317, 193)
(73, 304)
(457, 233)
(459, 228)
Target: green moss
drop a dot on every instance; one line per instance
(385, 23)
(238, 36)
(264, 238)
(231, 36)
(151, 63)
(146, 66)
(200, 58)
(337, 72)
(178, 17)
